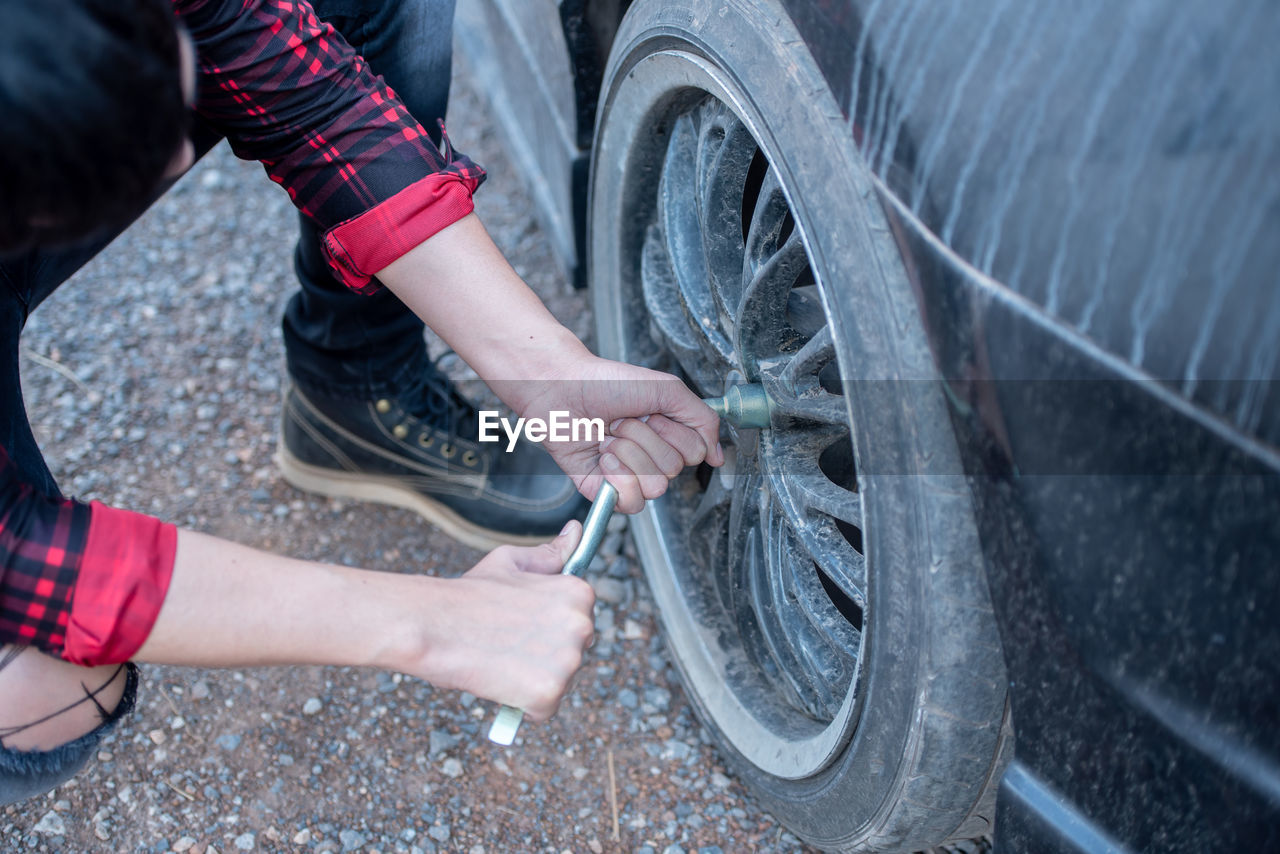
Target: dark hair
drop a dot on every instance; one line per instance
(91, 113)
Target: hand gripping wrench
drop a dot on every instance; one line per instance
(743, 406)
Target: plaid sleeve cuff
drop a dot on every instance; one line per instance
(358, 248)
(124, 575)
(41, 542)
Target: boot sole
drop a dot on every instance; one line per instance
(380, 490)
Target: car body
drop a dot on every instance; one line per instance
(1086, 198)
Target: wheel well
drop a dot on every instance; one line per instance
(589, 27)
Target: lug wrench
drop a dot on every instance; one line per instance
(743, 406)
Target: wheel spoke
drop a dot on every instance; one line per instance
(798, 394)
(805, 492)
(773, 616)
(669, 321)
(812, 502)
(744, 554)
(770, 224)
(709, 531)
(818, 352)
(813, 631)
(757, 629)
(761, 328)
(816, 494)
(682, 235)
(772, 280)
(662, 299)
(833, 641)
(841, 639)
(716, 497)
(813, 404)
(725, 151)
(845, 567)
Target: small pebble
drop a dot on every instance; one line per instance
(659, 698)
(440, 741)
(612, 544)
(312, 706)
(620, 568)
(604, 618)
(676, 750)
(451, 768)
(51, 825)
(184, 844)
(245, 842)
(609, 590)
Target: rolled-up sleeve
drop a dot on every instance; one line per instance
(287, 90)
(82, 581)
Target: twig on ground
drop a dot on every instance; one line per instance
(613, 799)
(182, 792)
(169, 700)
(55, 366)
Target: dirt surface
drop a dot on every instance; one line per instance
(153, 380)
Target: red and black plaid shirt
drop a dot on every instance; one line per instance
(87, 581)
(287, 90)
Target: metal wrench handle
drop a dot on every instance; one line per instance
(507, 722)
(593, 530)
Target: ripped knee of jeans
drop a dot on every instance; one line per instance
(27, 773)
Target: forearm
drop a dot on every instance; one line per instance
(511, 629)
(460, 284)
(231, 605)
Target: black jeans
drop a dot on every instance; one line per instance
(335, 340)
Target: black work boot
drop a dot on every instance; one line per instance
(419, 450)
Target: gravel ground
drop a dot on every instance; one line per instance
(153, 380)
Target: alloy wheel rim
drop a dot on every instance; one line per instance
(761, 574)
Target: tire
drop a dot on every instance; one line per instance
(825, 602)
